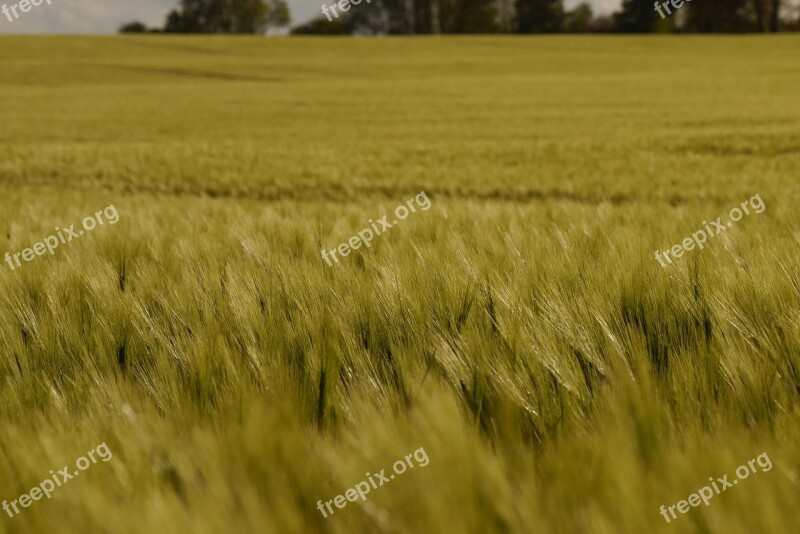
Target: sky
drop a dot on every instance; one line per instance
(105, 16)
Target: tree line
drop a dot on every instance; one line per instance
(408, 17)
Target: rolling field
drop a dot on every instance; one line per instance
(520, 331)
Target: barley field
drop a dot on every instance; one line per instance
(520, 331)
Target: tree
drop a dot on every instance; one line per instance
(278, 15)
(539, 16)
(181, 22)
(579, 20)
(403, 17)
(720, 16)
(505, 16)
(476, 16)
(227, 16)
(423, 16)
(774, 15)
(766, 15)
(733, 16)
(133, 27)
(640, 16)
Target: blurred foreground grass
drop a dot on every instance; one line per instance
(520, 331)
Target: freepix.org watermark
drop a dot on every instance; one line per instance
(715, 228)
(62, 237)
(677, 4)
(705, 493)
(24, 6)
(366, 235)
(58, 479)
(344, 5)
(361, 489)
